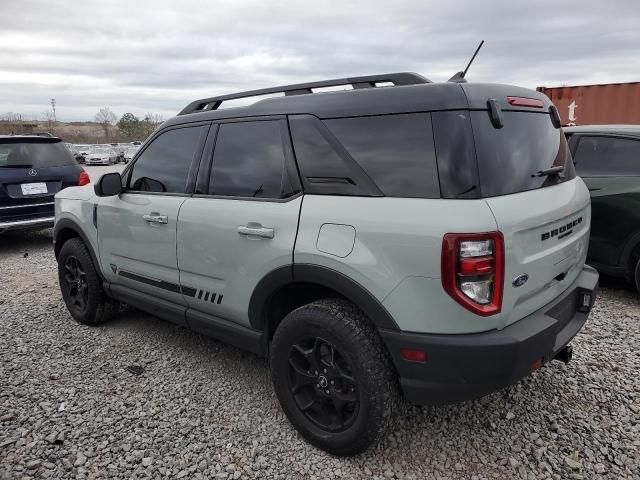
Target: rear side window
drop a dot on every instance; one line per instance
(37, 154)
(396, 152)
(510, 158)
(607, 156)
(164, 165)
(249, 161)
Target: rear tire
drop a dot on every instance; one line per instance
(635, 272)
(333, 376)
(81, 285)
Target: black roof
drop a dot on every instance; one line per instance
(28, 138)
(410, 96)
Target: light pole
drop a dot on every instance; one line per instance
(53, 105)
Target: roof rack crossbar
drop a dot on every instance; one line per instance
(369, 81)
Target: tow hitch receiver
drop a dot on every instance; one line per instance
(565, 354)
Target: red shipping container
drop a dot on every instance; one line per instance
(614, 103)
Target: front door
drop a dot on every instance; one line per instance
(245, 225)
(137, 229)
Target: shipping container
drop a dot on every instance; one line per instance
(617, 103)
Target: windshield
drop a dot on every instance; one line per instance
(35, 154)
(100, 150)
(521, 155)
(82, 148)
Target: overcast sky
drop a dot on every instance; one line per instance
(132, 58)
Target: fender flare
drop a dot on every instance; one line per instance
(68, 224)
(325, 277)
(629, 246)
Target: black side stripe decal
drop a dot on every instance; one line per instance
(174, 287)
(188, 291)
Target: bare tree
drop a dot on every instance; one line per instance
(107, 119)
(50, 119)
(155, 119)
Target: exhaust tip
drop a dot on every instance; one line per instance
(565, 354)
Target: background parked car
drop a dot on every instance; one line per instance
(130, 152)
(607, 157)
(32, 170)
(101, 155)
(81, 151)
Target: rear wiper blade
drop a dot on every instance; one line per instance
(549, 171)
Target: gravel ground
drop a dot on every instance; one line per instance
(71, 406)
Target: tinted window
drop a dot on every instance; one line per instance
(456, 152)
(164, 165)
(324, 169)
(36, 154)
(249, 161)
(396, 151)
(510, 157)
(607, 156)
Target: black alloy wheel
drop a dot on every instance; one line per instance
(76, 280)
(323, 385)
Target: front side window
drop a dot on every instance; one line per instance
(607, 156)
(249, 161)
(164, 165)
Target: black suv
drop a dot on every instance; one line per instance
(32, 170)
(607, 157)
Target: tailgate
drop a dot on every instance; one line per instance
(546, 233)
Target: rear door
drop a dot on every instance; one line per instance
(610, 166)
(544, 217)
(243, 223)
(137, 229)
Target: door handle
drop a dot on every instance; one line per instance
(154, 218)
(255, 230)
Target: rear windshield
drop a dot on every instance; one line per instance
(34, 155)
(511, 158)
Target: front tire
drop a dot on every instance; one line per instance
(333, 376)
(81, 285)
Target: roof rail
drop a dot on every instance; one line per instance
(369, 81)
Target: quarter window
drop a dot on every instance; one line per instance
(249, 161)
(607, 156)
(396, 152)
(164, 165)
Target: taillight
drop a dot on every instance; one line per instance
(473, 270)
(83, 179)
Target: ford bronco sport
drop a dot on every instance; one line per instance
(402, 236)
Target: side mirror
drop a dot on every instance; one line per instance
(108, 185)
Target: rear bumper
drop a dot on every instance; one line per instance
(44, 222)
(463, 367)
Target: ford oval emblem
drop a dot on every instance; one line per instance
(520, 280)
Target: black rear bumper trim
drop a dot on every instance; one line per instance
(463, 367)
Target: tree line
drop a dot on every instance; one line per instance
(129, 127)
(109, 128)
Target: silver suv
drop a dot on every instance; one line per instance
(418, 239)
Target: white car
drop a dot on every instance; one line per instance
(130, 152)
(101, 155)
(81, 151)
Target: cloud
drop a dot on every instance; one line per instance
(156, 57)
